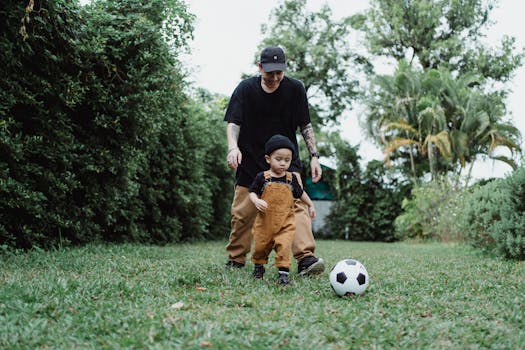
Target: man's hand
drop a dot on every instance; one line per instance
(316, 169)
(311, 212)
(234, 158)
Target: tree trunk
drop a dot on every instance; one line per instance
(413, 166)
(469, 174)
(430, 150)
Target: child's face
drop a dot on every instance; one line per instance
(279, 160)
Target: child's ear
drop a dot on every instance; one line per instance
(267, 159)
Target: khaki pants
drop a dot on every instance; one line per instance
(243, 214)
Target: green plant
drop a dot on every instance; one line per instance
(494, 216)
(431, 212)
(441, 109)
(98, 139)
(366, 202)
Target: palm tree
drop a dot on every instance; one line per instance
(405, 113)
(391, 118)
(446, 121)
(476, 120)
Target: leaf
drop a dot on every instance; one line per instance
(178, 305)
(441, 141)
(400, 125)
(506, 160)
(393, 145)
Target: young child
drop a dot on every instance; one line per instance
(273, 193)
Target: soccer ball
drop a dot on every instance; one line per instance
(349, 277)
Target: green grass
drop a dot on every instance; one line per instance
(421, 296)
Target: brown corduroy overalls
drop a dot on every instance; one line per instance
(275, 228)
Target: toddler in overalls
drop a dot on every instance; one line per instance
(273, 192)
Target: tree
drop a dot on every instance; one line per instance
(218, 177)
(476, 122)
(366, 202)
(405, 112)
(438, 33)
(436, 103)
(438, 121)
(98, 140)
(39, 150)
(134, 117)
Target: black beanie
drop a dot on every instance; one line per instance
(276, 142)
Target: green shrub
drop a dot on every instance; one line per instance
(494, 216)
(419, 211)
(98, 140)
(209, 109)
(431, 212)
(39, 90)
(366, 203)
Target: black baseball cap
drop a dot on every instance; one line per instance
(272, 59)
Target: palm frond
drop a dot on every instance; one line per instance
(506, 160)
(442, 142)
(400, 125)
(394, 145)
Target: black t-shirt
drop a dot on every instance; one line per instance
(262, 115)
(257, 185)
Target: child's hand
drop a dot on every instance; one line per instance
(261, 205)
(311, 211)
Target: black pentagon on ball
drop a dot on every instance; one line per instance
(341, 277)
(361, 279)
(350, 262)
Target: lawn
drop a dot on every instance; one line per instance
(421, 296)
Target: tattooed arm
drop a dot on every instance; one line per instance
(234, 156)
(309, 138)
(308, 135)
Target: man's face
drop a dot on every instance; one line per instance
(271, 79)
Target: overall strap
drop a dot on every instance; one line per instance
(289, 177)
(267, 176)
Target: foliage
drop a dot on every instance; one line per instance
(344, 219)
(438, 34)
(41, 174)
(98, 139)
(494, 216)
(317, 53)
(384, 192)
(432, 212)
(366, 203)
(450, 81)
(134, 71)
(218, 177)
(421, 296)
(436, 123)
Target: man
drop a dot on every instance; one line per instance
(260, 107)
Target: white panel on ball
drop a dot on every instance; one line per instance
(349, 277)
